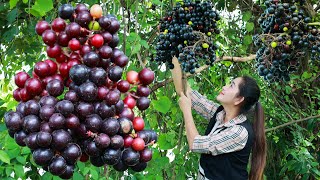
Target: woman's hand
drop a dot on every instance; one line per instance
(184, 103)
(177, 75)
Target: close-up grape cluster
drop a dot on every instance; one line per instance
(287, 37)
(188, 32)
(76, 106)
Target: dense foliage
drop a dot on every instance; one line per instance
(293, 148)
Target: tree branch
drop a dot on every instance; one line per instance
(291, 122)
(224, 58)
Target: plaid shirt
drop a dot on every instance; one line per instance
(224, 137)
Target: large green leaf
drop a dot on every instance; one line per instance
(13, 3)
(41, 7)
(4, 157)
(249, 26)
(247, 39)
(162, 105)
(246, 16)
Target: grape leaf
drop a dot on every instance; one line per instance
(4, 157)
(42, 7)
(162, 105)
(13, 3)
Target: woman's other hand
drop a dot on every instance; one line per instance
(184, 102)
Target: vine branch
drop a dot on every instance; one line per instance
(202, 68)
(291, 122)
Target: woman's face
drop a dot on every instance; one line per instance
(228, 95)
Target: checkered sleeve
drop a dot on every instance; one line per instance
(231, 139)
(202, 105)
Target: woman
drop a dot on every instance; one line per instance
(229, 138)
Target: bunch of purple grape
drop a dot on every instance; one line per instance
(77, 107)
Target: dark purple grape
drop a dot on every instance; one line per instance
(48, 100)
(32, 107)
(105, 52)
(71, 96)
(44, 139)
(11, 133)
(105, 111)
(13, 121)
(58, 166)
(60, 139)
(116, 142)
(31, 141)
(64, 107)
(31, 124)
(84, 109)
(88, 91)
(110, 126)
(91, 59)
(102, 141)
(93, 122)
(127, 113)
(143, 103)
(98, 76)
(115, 73)
(119, 106)
(45, 127)
(105, 63)
(145, 135)
(63, 39)
(130, 157)
(113, 97)
(42, 157)
(46, 112)
(79, 74)
(120, 166)
(19, 137)
(65, 11)
(73, 30)
(125, 125)
(21, 108)
(143, 91)
(145, 155)
(81, 131)
(114, 26)
(107, 37)
(72, 153)
(68, 173)
(83, 18)
(96, 161)
(139, 167)
(57, 121)
(81, 7)
(111, 156)
(92, 149)
(55, 87)
(115, 41)
(121, 60)
(72, 121)
(104, 22)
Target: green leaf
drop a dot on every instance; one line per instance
(21, 159)
(306, 75)
(77, 176)
(144, 43)
(249, 26)
(46, 176)
(156, 2)
(136, 49)
(12, 15)
(13, 3)
(94, 174)
(246, 16)
(247, 39)
(25, 1)
(18, 170)
(4, 157)
(163, 142)
(162, 105)
(41, 7)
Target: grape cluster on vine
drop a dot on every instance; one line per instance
(188, 30)
(76, 106)
(288, 35)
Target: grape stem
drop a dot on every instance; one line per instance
(314, 24)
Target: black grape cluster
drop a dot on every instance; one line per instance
(287, 37)
(187, 32)
(76, 106)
